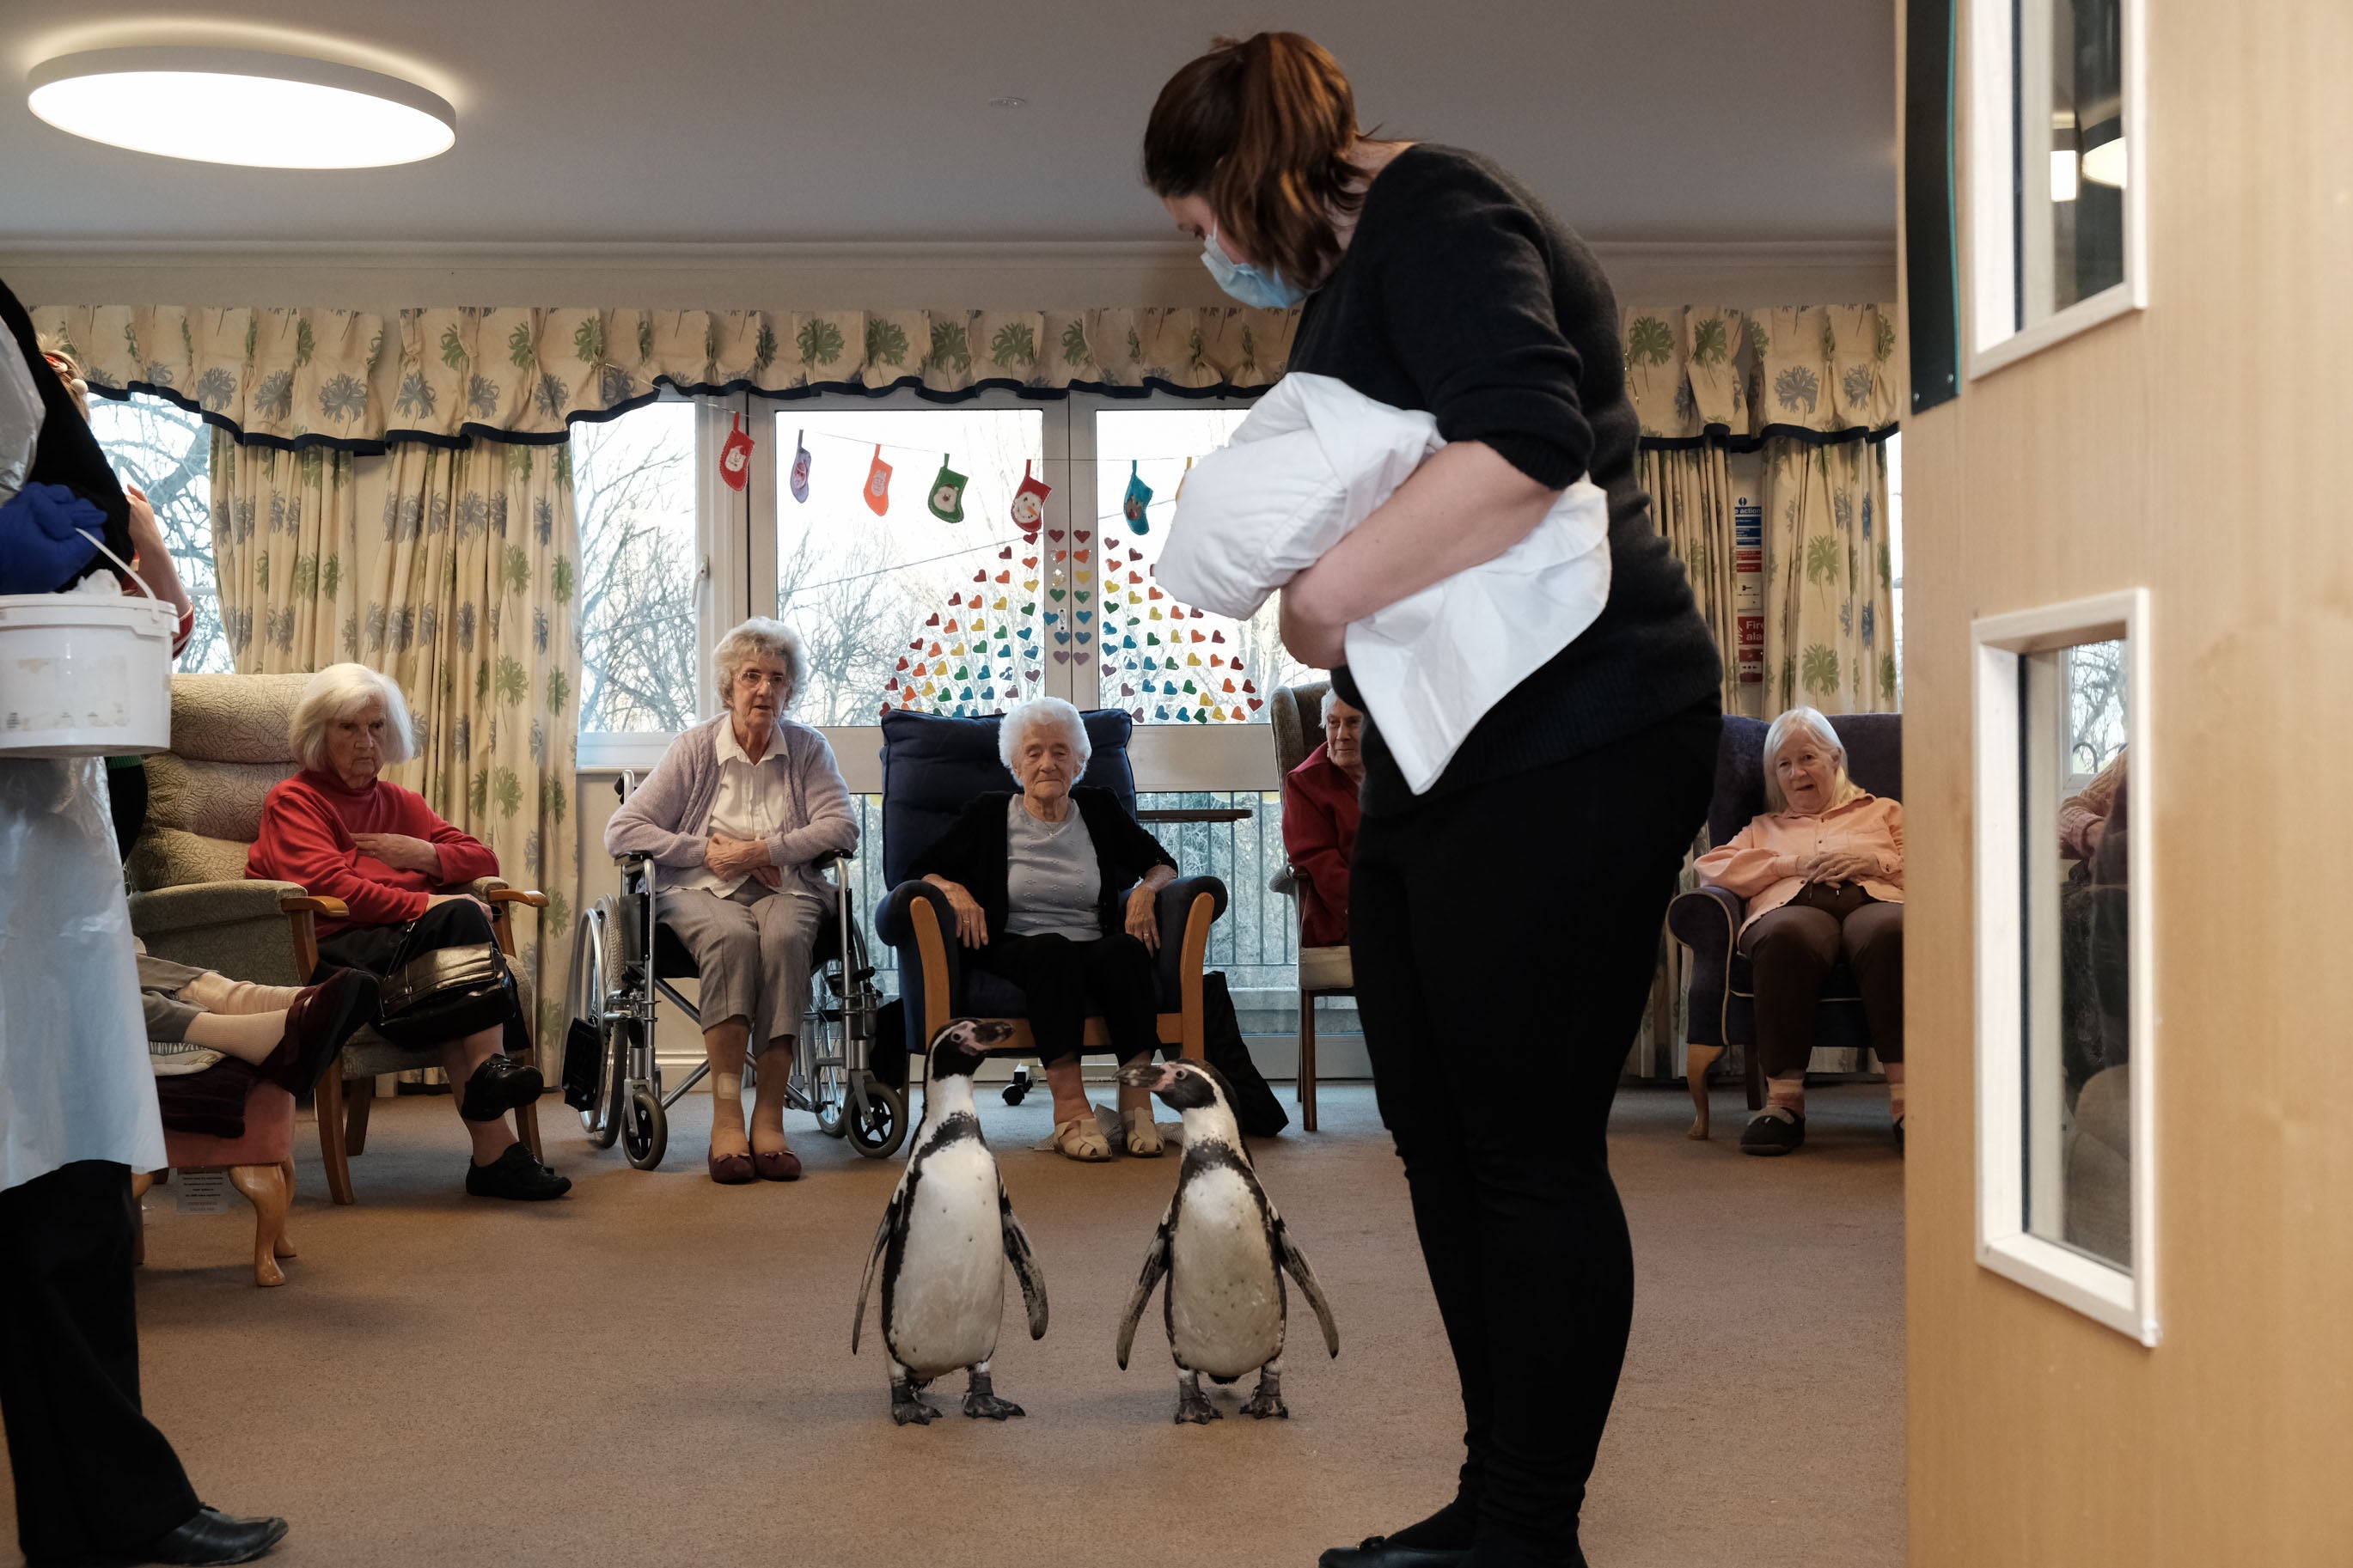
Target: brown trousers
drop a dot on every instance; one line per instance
(1791, 949)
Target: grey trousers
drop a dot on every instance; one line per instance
(160, 981)
(754, 951)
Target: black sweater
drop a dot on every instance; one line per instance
(1461, 295)
(975, 854)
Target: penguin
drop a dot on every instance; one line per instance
(1224, 1251)
(945, 1241)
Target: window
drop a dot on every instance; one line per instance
(634, 491)
(957, 611)
(168, 454)
(1163, 663)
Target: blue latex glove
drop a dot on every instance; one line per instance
(40, 551)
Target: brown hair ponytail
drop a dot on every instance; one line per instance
(1263, 128)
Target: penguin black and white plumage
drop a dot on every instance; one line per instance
(945, 1242)
(1224, 1251)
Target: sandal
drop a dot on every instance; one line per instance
(1143, 1138)
(1080, 1139)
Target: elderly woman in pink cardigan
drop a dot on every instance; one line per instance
(736, 818)
(1822, 871)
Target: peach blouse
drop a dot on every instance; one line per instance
(1766, 861)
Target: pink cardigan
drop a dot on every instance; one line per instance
(1766, 861)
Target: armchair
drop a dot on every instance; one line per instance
(191, 902)
(1721, 997)
(1297, 719)
(932, 767)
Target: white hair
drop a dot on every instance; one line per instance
(760, 637)
(337, 692)
(1024, 717)
(1808, 722)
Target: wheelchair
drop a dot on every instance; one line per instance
(624, 964)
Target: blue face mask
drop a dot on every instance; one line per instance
(1267, 291)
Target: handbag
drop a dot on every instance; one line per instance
(446, 993)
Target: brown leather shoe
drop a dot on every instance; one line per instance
(782, 1165)
(730, 1169)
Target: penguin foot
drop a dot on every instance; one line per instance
(1194, 1409)
(907, 1408)
(1268, 1401)
(980, 1401)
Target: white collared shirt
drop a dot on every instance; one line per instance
(754, 798)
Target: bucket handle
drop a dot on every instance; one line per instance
(118, 560)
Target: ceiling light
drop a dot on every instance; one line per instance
(2062, 174)
(241, 106)
(2104, 164)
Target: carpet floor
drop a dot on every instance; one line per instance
(658, 1371)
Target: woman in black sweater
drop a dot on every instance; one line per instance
(1549, 847)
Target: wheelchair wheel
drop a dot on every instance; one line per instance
(878, 1120)
(612, 1082)
(829, 1098)
(645, 1129)
(592, 963)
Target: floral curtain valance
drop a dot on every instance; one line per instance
(1819, 373)
(356, 382)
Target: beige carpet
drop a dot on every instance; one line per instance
(658, 1371)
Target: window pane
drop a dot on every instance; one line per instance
(888, 606)
(169, 454)
(633, 483)
(1164, 662)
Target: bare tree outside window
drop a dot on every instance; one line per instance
(633, 487)
(168, 453)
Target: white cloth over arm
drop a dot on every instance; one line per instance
(75, 1082)
(1313, 460)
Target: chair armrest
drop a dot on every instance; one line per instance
(499, 890)
(1707, 921)
(322, 907)
(1181, 945)
(915, 919)
(195, 905)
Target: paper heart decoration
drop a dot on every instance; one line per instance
(1155, 594)
(1156, 614)
(1255, 704)
(917, 645)
(1194, 659)
(1061, 657)
(963, 673)
(1127, 641)
(1031, 608)
(1004, 577)
(959, 599)
(1006, 553)
(1031, 673)
(936, 650)
(1161, 713)
(1151, 639)
(1061, 555)
(1248, 687)
(891, 685)
(1137, 578)
(1084, 557)
(1237, 714)
(1055, 535)
(883, 711)
(1023, 634)
(1004, 652)
(1030, 562)
(949, 627)
(1061, 637)
(1124, 689)
(1196, 637)
(1054, 616)
(1056, 594)
(1085, 615)
(997, 606)
(1083, 535)
(1029, 585)
(1216, 662)
(980, 576)
(1084, 596)
(902, 661)
(1110, 669)
(1230, 686)
(934, 620)
(1217, 636)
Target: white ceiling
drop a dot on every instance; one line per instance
(624, 121)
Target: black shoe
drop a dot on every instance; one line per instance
(321, 1019)
(1899, 1137)
(209, 1538)
(1773, 1132)
(1380, 1551)
(500, 1085)
(515, 1175)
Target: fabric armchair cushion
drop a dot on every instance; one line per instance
(234, 717)
(218, 800)
(235, 927)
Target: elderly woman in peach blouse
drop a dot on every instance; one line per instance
(1822, 872)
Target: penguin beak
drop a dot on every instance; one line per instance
(1154, 1075)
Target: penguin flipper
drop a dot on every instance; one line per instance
(1156, 1267)
(1024, 1263)
(1295, 1262)
(873, 1260)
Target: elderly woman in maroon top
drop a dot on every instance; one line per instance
(343, 833)
(1823, 874)
(1319, 823)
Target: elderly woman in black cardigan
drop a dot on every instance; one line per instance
(1035, 881)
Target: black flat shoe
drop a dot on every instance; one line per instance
(500, 1085)
(1773, 1133)
(321, 1018)
(1380, 1551)
(211, 1539)
(515, 1175)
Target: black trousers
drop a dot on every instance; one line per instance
(1065, 981)
(380, 949)
(1505, 936)
(93, 1474)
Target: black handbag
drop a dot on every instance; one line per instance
(584, 1064)
(446, 993)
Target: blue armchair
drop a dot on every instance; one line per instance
(1721, 998)
(932, 768)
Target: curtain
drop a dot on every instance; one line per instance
(1828, 579)
(362, 383)
(1692, 502)
(286, 555)
(468, 604)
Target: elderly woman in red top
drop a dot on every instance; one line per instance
(1319, 823)
(1823, 874)
(343, 833)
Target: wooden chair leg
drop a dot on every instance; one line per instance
(527, 1123)
(140, 1181)
(1307, 1061)
(1697, 1059)
(264, 1187)
(332, 1154)
(285, 1248)
(358, 1101)
(1755, 1075)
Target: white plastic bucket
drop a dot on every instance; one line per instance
(85, 674)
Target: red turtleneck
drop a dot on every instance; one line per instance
(307, 828)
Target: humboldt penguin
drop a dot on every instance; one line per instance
(1224, 1251)
(945, 1241)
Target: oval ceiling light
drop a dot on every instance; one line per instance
(241, 106)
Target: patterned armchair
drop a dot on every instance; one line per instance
(190, 901)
